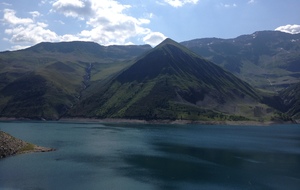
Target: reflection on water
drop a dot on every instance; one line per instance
(227, 168)
(96, 156)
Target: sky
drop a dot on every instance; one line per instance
(24, 23)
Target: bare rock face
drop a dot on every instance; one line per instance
(10, 145)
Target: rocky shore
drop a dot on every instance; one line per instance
(10, 145)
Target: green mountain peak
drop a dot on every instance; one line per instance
(169, 46)
(166, 83)
(167, 41)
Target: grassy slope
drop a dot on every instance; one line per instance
(47, 79)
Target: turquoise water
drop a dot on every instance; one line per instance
(125, 156)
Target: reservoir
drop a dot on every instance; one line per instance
(96, 156)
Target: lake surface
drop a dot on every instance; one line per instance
(125, 156)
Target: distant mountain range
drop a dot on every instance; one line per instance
(268, 60)
(171, 81)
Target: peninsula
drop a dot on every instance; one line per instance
(10, 145)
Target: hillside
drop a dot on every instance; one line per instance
(268, 60)
(44, 81)
(171, 82)
(291, 100)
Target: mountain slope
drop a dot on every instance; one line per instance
(267, 59)
(171, 82)
(45, 80)
(77, 55)
(291, 99)
(37, 97)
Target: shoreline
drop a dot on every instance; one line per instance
(137, 121)
(176, 122)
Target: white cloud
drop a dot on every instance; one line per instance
(31, 34)
(10, 18)
(106, 22)
(110, 25)
(35, 14)
(25, 31)
(179, 3)
(251, 1)
(228, 5)
(292, 29)
(74, 8)
(42, 2)
(154, 38)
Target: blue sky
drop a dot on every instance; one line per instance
(27, 22)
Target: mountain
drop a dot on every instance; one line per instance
(269, 60)
(66, 56)
(45, 80)
(172, 82)
(90, 50)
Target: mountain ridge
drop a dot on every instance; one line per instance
(266, 59)
(56, 74)
(165, 83)
(48, 79)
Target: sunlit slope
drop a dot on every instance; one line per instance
(45, 80)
